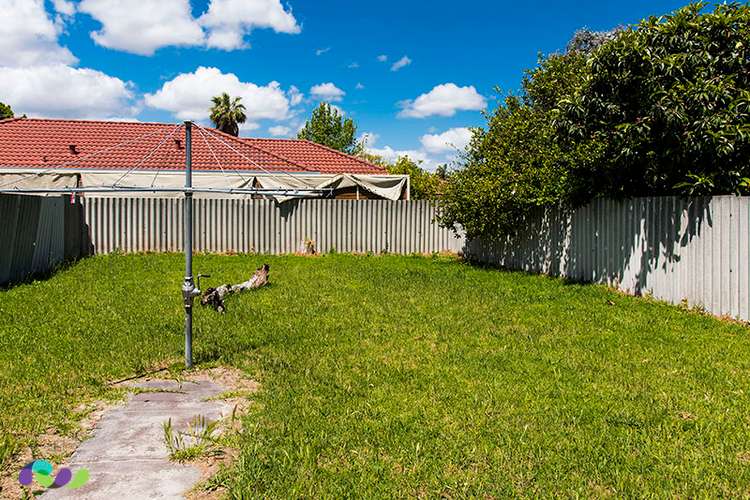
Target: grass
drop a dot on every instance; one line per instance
(393, 376)
(193, 443)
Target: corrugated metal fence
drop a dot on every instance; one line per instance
(37, 234)
(675, 249)
(262, 226)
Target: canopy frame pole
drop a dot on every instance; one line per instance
(189, 291)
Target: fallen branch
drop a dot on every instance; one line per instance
(214, 297)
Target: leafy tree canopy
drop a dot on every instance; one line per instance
(658, 108)
(669, 101)
(5, 111)
(326, 126)
(425, 185)
(227, 113)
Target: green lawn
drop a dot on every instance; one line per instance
(393, 376)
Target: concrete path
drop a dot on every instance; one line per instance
(127, 456)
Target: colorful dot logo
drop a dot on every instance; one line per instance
(41, 472)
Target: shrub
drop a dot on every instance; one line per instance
(654, 109)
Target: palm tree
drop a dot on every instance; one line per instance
(227, 113)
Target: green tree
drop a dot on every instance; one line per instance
(228, 113)
(424, 185)
(670, 101)
(658, 108)
(326, 126)
(516, 163)
(5, 111)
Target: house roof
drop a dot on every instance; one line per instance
(315, 156)
(104, 145)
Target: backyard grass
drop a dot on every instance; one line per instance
(395, 376)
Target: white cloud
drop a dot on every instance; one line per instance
(392, 155)
(353, 65)
(64, 7)
(320, 52)
(453, 140)
(28, 36)
(443, 100)
(143, 27)
(327, 92)
(295, 96)
(382, 58)
(189, 95)
(368, 138)
(359, 86)
(401, 63)
(280, 131)
(62, 91)
(229, 21)
(36, 73)
(436, 149)
(338, 109)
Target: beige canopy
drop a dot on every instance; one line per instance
(389, 187)
(21, 180)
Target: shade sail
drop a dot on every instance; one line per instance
(27, 180)
(389, 187)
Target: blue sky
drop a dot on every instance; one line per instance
(160, 60)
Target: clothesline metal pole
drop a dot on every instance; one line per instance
(189, 292)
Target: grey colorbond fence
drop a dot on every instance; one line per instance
(38, 234)
(695, 250)
(675, 249)
(262, 226)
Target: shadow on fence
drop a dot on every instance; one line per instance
(676, 249)
(38, 235)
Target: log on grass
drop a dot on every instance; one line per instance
(214, 297)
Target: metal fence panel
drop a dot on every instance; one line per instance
(695, 250)
(262, 226)
(37, 234)
(9, 207)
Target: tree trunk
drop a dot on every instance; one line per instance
(214, 297)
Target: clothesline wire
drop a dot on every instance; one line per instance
(84, 157)
(218, 162)
(204, 132)
(229, 146)
(148, 155)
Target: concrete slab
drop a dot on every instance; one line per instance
(127, 456)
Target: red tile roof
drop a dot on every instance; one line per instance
(316, 157)
(102, 145)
